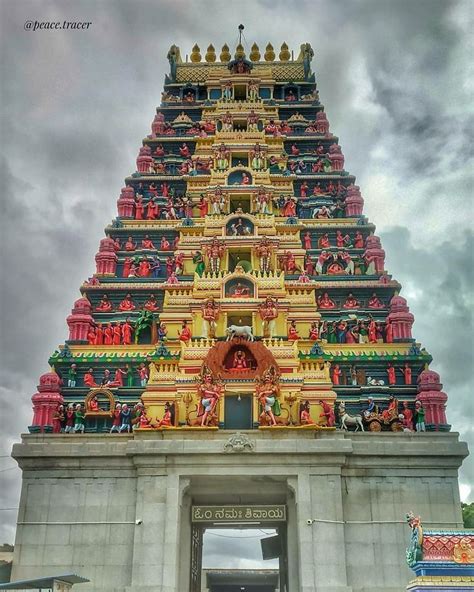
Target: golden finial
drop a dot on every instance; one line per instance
(255, 53)
(225, 53)
(210, 54)
(196, 54)
(239, 52)
(269, 53)
(284, 53)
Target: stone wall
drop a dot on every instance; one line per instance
(97, 487)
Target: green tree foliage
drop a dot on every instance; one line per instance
(468, 515)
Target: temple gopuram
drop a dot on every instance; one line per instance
(240, 357)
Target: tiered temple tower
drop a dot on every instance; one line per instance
(240, 318)
(241, 213)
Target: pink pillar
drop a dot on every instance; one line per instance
(106, 258)
(354, 201)
(126, 202)
(401, 319)
(336, 157)
(46, 402)
(144, 160)
(80, 320)
(373, 248)
(432, 398)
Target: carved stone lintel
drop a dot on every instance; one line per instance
(239, 443)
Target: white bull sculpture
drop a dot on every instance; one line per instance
(239, 331)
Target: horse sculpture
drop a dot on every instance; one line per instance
(349, 420)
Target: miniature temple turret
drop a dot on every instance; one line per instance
(80, 320)
(106, 258)
(432, 398)
(46, 402)
(126, 202)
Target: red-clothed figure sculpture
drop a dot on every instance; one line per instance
(127, 331)
(304, 189)
(151, 304)
(130, 245)
(359, 242)
(109, 335)
(289, 208)
(375, 302)
(307, 241)
(117, 333)
(165, 244)
(203, 206)
(139, 208)
(127, 304)
(407, 416)
(144, 268)
(336, 375)
(325, 302)
(328, 413)
(91, 336)
(127, 264)
(289, 262)
(323, 241)
(293, 332)
(305, 415)
(184, 150)
(89, 379)
(324, 256)
(392, 379)
(314, 331)
(239, 363)
(388, 331)
(268, 311)
(167, 419)
(351, 302)
(185, 334)
(407, 374)
(104, 305)
(308, 265)
(99, 335)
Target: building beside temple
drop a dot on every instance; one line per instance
(241, 356)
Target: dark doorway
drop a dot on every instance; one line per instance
(238, 412)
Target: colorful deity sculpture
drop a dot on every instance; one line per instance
(264, 250)
(267, 391)
(269, 313)
(210, 390)
(210, 314)
(215, 251)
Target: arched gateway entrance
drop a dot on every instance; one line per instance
(242, 516)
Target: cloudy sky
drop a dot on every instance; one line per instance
(395, 77)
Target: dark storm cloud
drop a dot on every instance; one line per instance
(394, 77)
